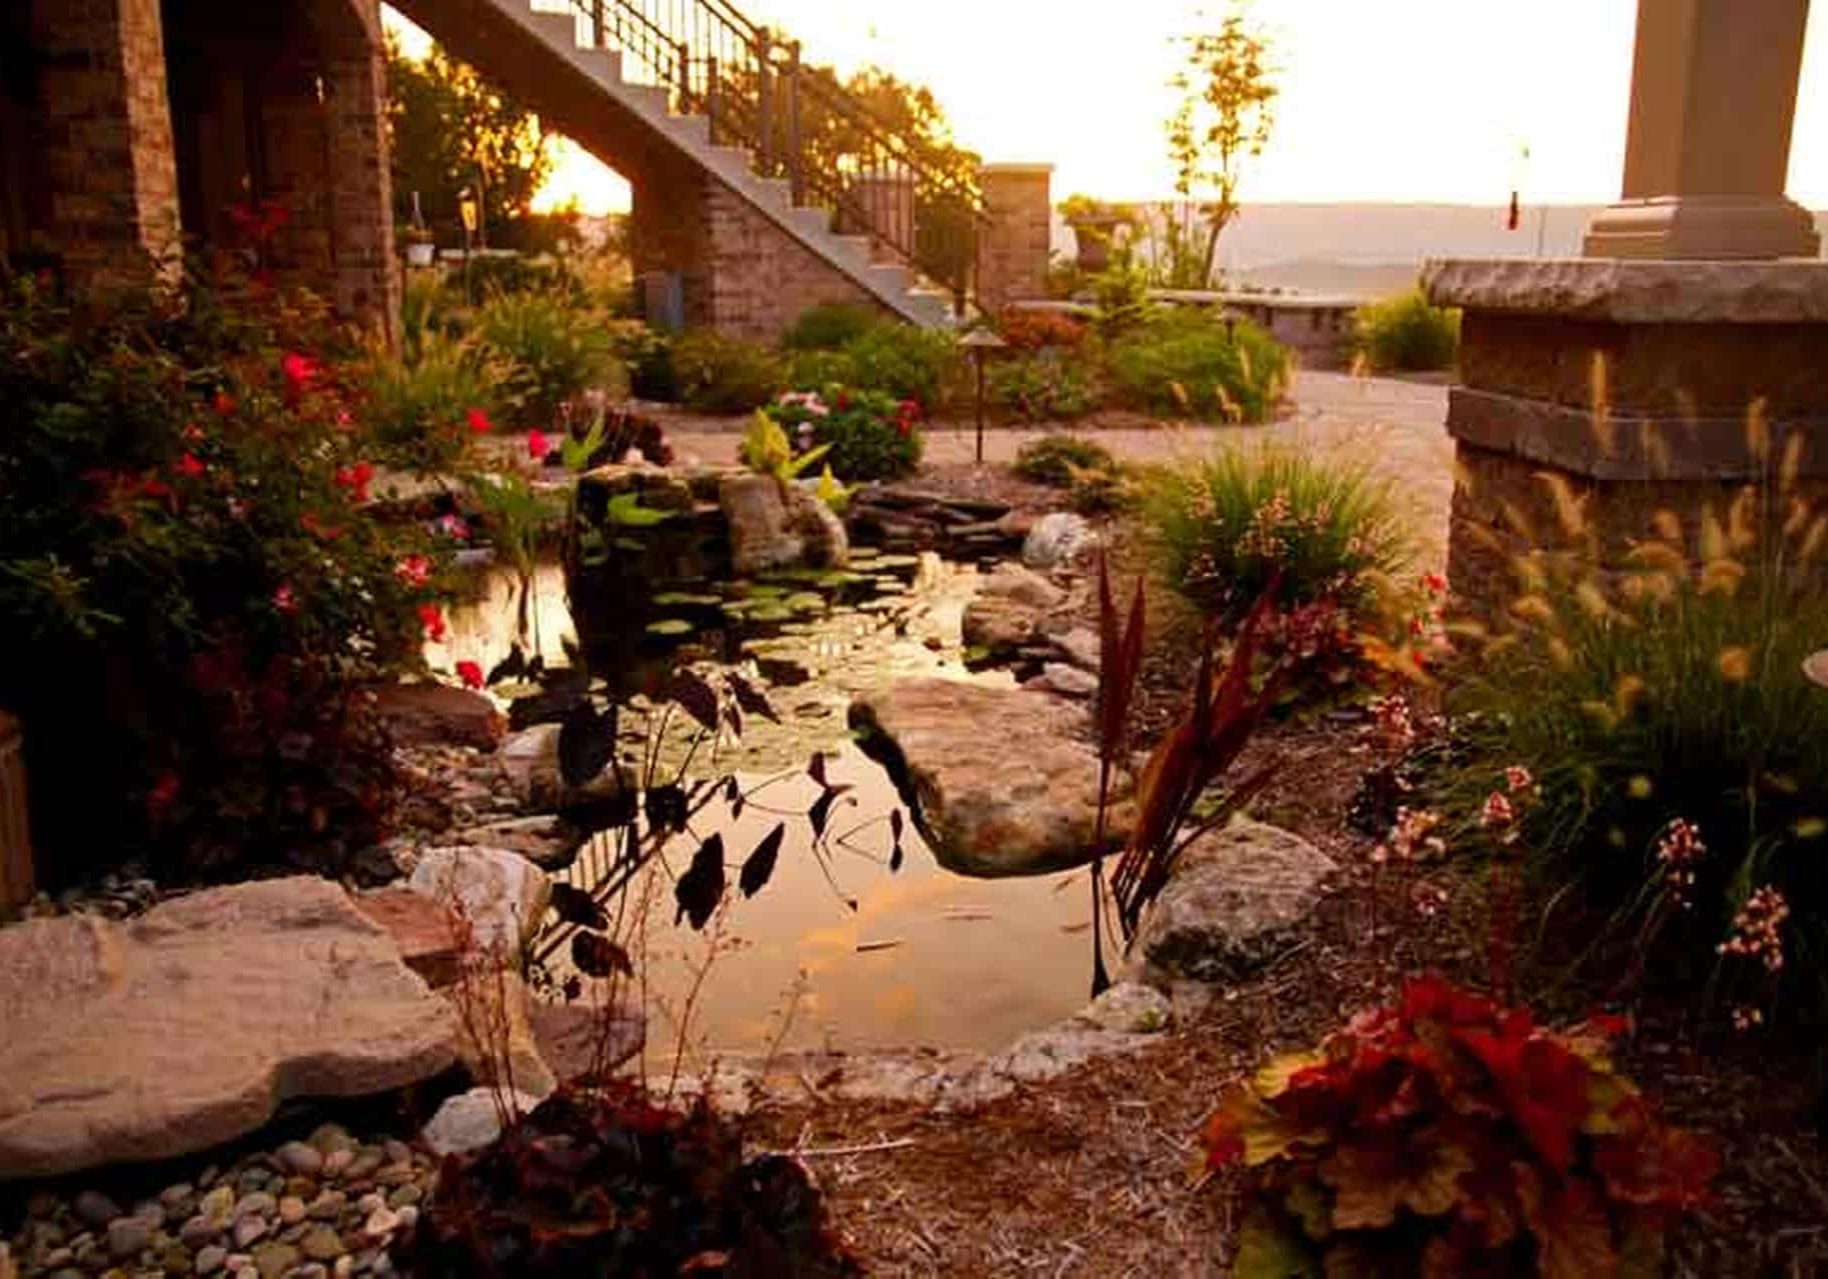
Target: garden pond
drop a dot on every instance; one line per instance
(859, 940)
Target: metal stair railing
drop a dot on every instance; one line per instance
(913, 202)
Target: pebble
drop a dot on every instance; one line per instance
(370, 1202)
(210, 1259)
(342, 1267)
(42, 1204)
(381, 1223)
(298, 1158)
(397, 1151)
(292, 1210)
(257, 1204)
(327, 1206)
(403, 1195)
(329, 1139)
(366, 1162)
(129, 1236)
(95, 1209)
(337, 1161)
(219, 1204)
(199, 1230)
(273, 1259)
(248, 1229)
(322, 1243)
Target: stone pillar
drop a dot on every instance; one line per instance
(108, 157)
(1013, 254)
(366, 272)
(1713, 96)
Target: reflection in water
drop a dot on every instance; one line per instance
(973, 962)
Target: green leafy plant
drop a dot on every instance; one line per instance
(1186, 361)
(766, 449)
(897, 360)
(647, 355)
(1048, 386)
(717, 374)
(551, 350)
(863, 435)
(830, 326)
(418, 402)
(1058, 459)
(1230, 525)
(1406, 333)
(1449, 1135)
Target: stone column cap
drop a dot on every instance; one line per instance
(1636, 291)
(1016, 169)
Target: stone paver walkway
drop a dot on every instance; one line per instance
(1395, 426)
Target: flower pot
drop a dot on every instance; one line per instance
(420, 253)
(1094, 236)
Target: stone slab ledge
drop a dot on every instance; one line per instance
(1636, 291)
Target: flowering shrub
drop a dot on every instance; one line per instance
(188, 552)
(1449, 1135)
(551, 349)
(897, 360)
(1030, 330)
(716, 374)
(866, 434)
(1680, 753)
(1049, 386)
(1229, 526)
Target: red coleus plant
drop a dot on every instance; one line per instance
(1449, 1135)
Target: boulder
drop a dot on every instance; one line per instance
(530, 759)
(492, 1013)
(1129, 1008)
(998, 625)
(549, 842)
(187, 1026)
(1013, 582)
(471, 1120)
(1233, 904)
(439, 715)
(998, 778)
(1057, 539)
(1080, 647)
(1068, 681)
(578, 1038)
(761, 536)
(500, 895)
(423, 931)
(827, 544)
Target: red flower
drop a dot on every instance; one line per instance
(189, 466)
(161, 795)
(356, 479)
(153, 487)
(223, 404)
(479, 422)
(431, 617)
(413, 570)
(470, 673)
(284, 599)
(300, 370)
(310, 522)
(538, 445)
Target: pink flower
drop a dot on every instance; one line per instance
(1519, 779)
(189, 466)
(1497, 814)
(479, 422)
(414, 570)
(470, 673)
(284, 599)
(356, 479)
(454, 527)
(538, 445)
(431, 617)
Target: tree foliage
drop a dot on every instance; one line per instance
(452, 129)
(1228, 89)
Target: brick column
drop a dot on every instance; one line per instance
(108, 157)
(367, 277)
(1713, 97)
(1013, 254)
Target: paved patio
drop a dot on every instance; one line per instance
(1396, 426)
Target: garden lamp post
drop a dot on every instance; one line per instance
(980, 342)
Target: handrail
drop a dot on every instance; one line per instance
(799, 123)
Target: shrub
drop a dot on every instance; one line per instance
(868, 435)
(1059, 459)
(830, 326)
(1193, 363)
(716, 374)
(1449, 1135)
(551, 349)
(901, 362)
(1680, 752)
(188, 553)
(647, 355)
(1048, 386)
(1407, 333)
(1226, 527)
(1030, 330)
(417, 403)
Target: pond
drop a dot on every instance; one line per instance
(847, 947)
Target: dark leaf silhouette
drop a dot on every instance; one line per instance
(815, 769)
(733, 716)
(820, 812)
(573, 988)
(587, 742)
(760, 866)
(606, 812)
(750, 698)
(895, 858)
(512, 666)
(733, 790)
(597, 956)
(702, 886)
(575, 906)
(895, 824)
(666, 808)
(698, 698)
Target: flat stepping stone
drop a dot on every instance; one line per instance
(999, 779)
(186, 1027)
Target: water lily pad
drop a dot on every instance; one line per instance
(895, 561)
(671, 626)
(761, 590)
(686, 599)
(805, 602)
(769, 611)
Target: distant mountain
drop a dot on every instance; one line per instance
(1371, 250)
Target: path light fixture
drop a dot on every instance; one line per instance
(1815, 667)
(979, 343)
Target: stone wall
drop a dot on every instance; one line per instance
(742, 275)
(1013, 254)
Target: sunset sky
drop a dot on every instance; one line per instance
(1399, 100)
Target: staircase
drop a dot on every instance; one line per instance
(697, 77)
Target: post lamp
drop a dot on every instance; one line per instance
(980, 343)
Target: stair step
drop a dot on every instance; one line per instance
(695, 129)
(560, 29)
(890, 277)
(813, 221)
